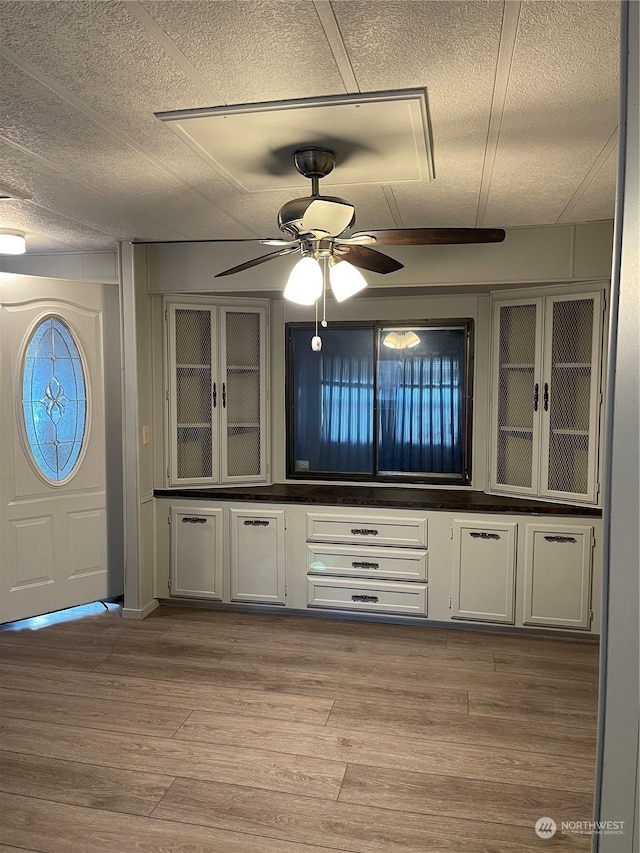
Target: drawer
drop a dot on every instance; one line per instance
(370, 529)
(408, 599)
(363, 562)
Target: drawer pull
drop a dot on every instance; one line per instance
(363, 531)
(191, 519)
(364, 565)
(560, 538)
(373, 598)
(255, 522)
(481, 534)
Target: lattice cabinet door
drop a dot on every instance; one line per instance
(516, 401)
(194, 395)
(243, 413)
(571, 396)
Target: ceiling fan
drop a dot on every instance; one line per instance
(318, 227)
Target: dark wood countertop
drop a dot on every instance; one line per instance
(454, 500)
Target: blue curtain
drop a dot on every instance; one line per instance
(346, 431)
(420, 414)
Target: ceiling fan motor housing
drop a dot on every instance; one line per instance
(291, 214)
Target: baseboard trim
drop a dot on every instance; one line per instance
(389, 619)
(140, 612)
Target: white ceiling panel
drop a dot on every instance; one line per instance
(99, 158)
(250, 52)
(559, 113)
(522, 99)
(376, 138)
(51, 231)
(62, 193)
(451, 48)
(598, 199)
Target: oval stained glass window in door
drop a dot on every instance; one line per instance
(54, 399)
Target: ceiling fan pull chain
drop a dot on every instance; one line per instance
(325, 275)
(316, 340)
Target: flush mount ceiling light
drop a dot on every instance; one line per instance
(12, 242)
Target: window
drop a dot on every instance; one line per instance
(54, 400)
(380, 402)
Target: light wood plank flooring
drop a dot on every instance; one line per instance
(198, 731)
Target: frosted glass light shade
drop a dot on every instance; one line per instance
(304, 285)
(345, 280)
(12, 242)
(401, 340)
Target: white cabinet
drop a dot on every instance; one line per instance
(196, 552)
(367, 561)
(216, 395)
(484, 570)
(557, 575)
(372, 530)
(257, 556)
(546, 395)
(359, 561)
(403, 599)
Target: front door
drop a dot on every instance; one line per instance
(58, 545)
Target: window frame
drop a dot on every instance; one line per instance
(463, 479)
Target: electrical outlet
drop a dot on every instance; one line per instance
(146, 435)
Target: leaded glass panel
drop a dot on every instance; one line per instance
(54, 400)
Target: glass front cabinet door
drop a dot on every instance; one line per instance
(216, 395)
(545, 400)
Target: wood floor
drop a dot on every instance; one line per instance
(198, 731)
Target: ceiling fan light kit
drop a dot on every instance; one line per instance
(304, 285)
(345, 280)
(12, 242)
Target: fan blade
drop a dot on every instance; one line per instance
(434, 236)
(328, 218)
(277, 241)
(359, 239)
(248, 264)
(368, 259)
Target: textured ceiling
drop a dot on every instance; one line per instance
(523, 102)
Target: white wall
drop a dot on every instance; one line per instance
(73, 266)
(618, 774)
(548, 254)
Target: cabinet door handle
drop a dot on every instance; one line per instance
(546, 396)
(365, 565)
(191, 519)
(255, 522)
(373, 598)
(363, 531)
(224, 396)
(481, 534)
(536, 396)
(560, 538)
(215, 395)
